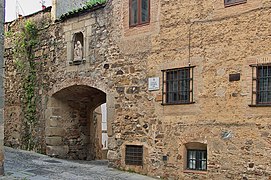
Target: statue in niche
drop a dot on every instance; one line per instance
(78, 51)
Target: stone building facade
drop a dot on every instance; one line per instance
(2, 19)
(186, 87)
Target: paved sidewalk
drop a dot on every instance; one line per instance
(24, 165)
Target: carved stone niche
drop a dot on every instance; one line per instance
(78, 49)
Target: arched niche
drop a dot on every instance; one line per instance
(78, 48)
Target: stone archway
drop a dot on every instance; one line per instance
(72, 130)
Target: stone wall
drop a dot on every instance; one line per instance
(218, 41)
(118, 61)
(2, 17)
(44, 55)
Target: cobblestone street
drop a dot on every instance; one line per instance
(25, 165)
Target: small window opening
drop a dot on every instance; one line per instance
(134, 155)
(196, 156)
(139, 12)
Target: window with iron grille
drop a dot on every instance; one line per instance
(178, 86)
(261, 84)
(134, 155)
(197, 159)
(139, 11)
(233, 2)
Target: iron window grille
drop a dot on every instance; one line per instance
(134, 155)
(261, 85)
(197, 160)
(178, 86)
(233, 2)
(139, 12)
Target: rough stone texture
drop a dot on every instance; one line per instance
(222, 41)
(2, 96)
(13, 101)
(218, 41)
(67, 94)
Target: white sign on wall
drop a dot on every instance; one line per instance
(153, 83)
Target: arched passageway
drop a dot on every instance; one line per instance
(74, 123)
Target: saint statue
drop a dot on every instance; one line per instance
(78, 51)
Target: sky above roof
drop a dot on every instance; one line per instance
(23, 7)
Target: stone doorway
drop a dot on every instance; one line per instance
(74, 123)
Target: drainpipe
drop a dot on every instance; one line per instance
(189, 42)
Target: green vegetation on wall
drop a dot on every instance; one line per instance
(24, 42)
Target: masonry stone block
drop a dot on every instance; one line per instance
(67, 28)
(55, 131)
(112, 143)
(56, 111)
(110, 119)
(54, 141)
(78, 25)
(89, 22)
(112, 155)
(54, 121)
(57, 151)
(48, 113)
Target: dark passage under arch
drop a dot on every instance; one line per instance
(73, 128)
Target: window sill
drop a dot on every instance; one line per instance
(259, 105)
(139, 25)
(77, 62)
(166, 104)
(194, 171)
(134, 165)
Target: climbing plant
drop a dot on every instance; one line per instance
(24, 42)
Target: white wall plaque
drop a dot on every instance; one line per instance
(153, 83)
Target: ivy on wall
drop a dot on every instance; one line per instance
(24, 42)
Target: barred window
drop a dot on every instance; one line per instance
(134, 155)
(233, 2)
(197, 159)
(139, 12)
(261, 84)
(178, 86)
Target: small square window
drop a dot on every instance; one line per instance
(178, 86)
(134, 155)
(139, 12)
(197, 159)
(233, 2)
